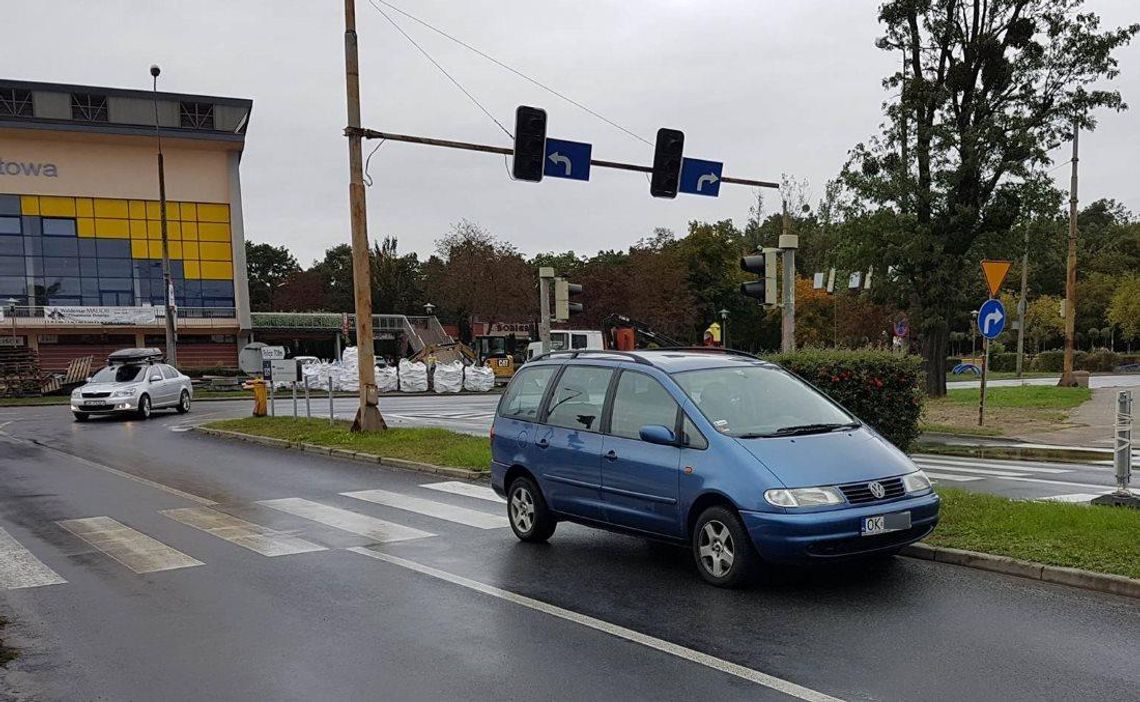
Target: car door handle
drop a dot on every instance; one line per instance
(542, 443)
(611, 456)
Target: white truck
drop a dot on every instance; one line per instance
(568, 340)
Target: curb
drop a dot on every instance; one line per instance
(347, 455)
(1056, 575)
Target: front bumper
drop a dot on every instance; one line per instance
(110, 405)
(836, 533)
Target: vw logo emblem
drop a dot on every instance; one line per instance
(877, 490)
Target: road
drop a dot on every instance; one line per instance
(142, 561)
(1095, 381)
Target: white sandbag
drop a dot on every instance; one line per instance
(387, 380)
(413, 376)
(478, 379)
(448, 377)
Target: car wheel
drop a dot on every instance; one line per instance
(144, 407)
(80, 416)
(722, 548)
(184, 403)
(527, 512)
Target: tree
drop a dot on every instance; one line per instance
(988, 89)
(1043, 320)
(336, 273)
(1124, 310)
(304, 291)
(397, 281)
(268, 267)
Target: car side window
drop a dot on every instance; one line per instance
(169, 373)
(579, 397)
(640, 400)
(691, 437)
(524, 395)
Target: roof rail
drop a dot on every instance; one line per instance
(574, 353)
(711, 349)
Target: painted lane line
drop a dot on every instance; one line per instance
(20, 569)
(256, 538)
(430, 508)
(755, 676)
(996, 470)
(1026, 466)
(133, 549)
(975, 471)
(1080, 497)
(950, 478)
(346, 520)
(456, 487)
(1042, 481)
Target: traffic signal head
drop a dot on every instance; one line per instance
(763, 265)
(530, 143)
(667, 158)
(563, 307)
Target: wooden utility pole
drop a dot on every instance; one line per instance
(1071, 274)
(1022, 305)
(368, 417)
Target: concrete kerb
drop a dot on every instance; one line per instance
(347, 455)
(1057, 575)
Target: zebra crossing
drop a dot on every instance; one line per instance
(143, 554)
(954, 470)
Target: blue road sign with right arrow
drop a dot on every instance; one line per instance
(567, 159)
(991, 319)
(700, 177)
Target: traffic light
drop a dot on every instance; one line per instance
(667, 158)
(563, 308)
(530, 143)
(763, 265)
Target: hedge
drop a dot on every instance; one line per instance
(882, 389)
(1003, 362)
(1054, 361)
(1100, 360)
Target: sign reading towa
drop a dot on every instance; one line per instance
(28, 168)
(100, 315)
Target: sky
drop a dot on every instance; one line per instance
(769, 87)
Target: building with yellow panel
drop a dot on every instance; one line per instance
(80, 221)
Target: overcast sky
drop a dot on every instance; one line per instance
(766, 86)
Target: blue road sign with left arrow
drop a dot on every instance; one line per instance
(567, 159)
(991, 319)
(700, 177)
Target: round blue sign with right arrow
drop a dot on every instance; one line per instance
(991, 319)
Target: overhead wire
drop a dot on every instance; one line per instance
(507, 67)
(442, 70)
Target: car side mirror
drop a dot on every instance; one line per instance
(154, 378)
(657, 434)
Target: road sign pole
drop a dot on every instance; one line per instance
(985, 374)
(272, 397)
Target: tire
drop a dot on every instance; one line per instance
(80, 416)
(723, 549)
(144, 409)
(527, 512)
(183, 403)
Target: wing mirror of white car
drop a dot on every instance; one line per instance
(155, 378)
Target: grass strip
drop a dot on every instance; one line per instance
(436, 446)
(1024, 397)
(1100, 539)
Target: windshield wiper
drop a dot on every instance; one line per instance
(815, 428)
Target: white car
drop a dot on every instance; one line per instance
(134, 381)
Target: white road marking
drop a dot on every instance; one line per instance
(621, 632)
(431, 508)
(1079, 497)
(256, 538)
(950, 478)
(999, 465)
(133, 549)
(1042, 481)
(975, 471)
(457, 487)
(19, 568)
(346, 520)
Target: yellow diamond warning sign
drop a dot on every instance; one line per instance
(995, 273)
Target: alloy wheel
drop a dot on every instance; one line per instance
(522, 509)
(716, 549)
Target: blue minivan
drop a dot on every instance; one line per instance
(735, 456)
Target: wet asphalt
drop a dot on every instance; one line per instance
(337, 625)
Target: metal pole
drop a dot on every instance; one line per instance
(272, 396)
(544, 274)
(167, 287)
(1122, 458)
(1022, 305)
(368, 417)
(308, 408)
(332, 415)
(788, 245)
(985, 374)
(1071, 274)
(294, 399)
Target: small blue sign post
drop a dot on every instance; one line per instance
(567, 159)
(700, 177)
(991, 323)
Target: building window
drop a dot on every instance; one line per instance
(196, 115)
(15, 103)
(89, 108)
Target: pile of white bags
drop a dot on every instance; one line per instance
(413, 376)
(448, 377)
(478, 379)
(387, 380)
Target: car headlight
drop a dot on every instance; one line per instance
(128, 392)
(916, 482)
(804, 497)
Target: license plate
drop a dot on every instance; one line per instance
(885, 523)
(94, 403)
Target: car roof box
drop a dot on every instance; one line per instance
(123, 356)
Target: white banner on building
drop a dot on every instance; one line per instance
(100, 315)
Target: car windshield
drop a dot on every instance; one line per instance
(760, 401)
(118, 374)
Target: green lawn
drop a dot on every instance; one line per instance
(1024, 397)
(435, 446)
(1101, 539)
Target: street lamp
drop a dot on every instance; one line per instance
(167, 286)
(12, 302)
(724, 328)
(429, 309)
